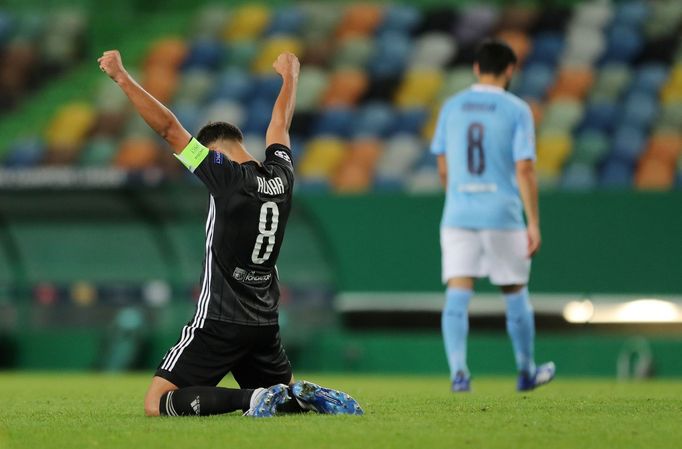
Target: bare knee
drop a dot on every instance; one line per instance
(157, 389)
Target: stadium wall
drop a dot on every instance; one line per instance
(601, 243)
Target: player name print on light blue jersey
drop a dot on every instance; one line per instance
(483, 131)
(271, 187)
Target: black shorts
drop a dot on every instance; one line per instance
(203, 356)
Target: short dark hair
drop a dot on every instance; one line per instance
(493, 56)
(219, 131)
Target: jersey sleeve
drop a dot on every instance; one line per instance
(524, 136)
(213, 169)
(279, 154)
(438, 141)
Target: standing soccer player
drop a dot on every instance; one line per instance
(235, 326)
(485, 145)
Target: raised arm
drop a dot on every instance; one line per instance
(287, 66)
(528, 188)
(157, 116)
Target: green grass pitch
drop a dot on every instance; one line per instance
(96, 411)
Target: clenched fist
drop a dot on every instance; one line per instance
(287, 64)
(111, 64)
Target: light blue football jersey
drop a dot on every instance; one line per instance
(483, 131)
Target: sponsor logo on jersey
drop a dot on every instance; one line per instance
(283, 155)
(251, 277)
(218, 158)
(271, 187)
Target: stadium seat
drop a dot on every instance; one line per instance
(519, 41)
(611, 81)
(591, 145)
(353, 53)
(616, 173)
(579, 176)
(624, 44)
(639, 110)
(401, 19)
(374, 119)
(601, 114)
(535, 80)
(654, 174)
(99, 152)
(345, 88)
(628, 143)
(355, 173)
(204, 53)
(335, 121)
(233, 84)
(288, 20)
(553, 149)
(400, 154)
(24, 153)
(562, 114)
(432, 50)
(419, 88)
(224, 110)
(271, 48)
(247, 22)
(321, 159)
(239, 54)
(137, 154)
(459, 78)
(392, 51)
(547, 48)
(474, 23)
(360, 19)
(70, 124)
(312, 82)
(572, 83)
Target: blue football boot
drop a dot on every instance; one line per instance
(461, 383)
(325, 400)
(265, 401)
(543, 375)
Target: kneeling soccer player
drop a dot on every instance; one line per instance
(235, 327)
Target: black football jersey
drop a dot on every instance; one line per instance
(248, 210)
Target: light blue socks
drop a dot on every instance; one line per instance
(455, 325)
(521, 329)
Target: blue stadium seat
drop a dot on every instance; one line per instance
(547, 48)
(600, 115)
(205, 53)
(267, 87)
(233, 84)
(535, 80)
(578, 176)
(258, 117)
(392, 50)
(382, 184)
(189, 115)
(631, 13)
(402, 19)
(334, 121)
(374, 119)
(624, 44)
(650, 78)
(616, 173)
(639, 110)
(628, 143)
(287, 20)
(25, 153)
(411, 121)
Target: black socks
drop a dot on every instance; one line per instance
(202, 401)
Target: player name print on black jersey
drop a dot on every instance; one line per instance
(271, 187)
